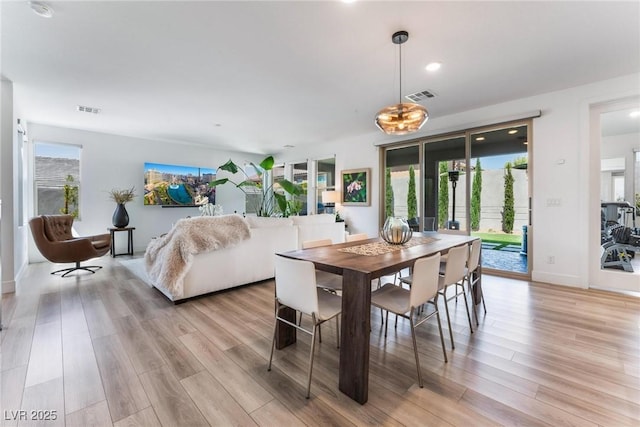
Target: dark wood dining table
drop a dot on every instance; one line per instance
(357, 273)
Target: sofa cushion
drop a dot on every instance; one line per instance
(314, 219)
(265, 222)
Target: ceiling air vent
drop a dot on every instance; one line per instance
(85, 109)
(421, 96)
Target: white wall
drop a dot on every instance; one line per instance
(112, 161)
(559, 167)
(7, 225)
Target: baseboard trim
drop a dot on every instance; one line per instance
(8, 286)
(558, 279)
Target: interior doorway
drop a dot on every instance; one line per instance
(614, 225)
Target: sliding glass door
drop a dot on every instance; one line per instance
(445, 186)
(499, 202)
(473, 182)
(402, 181)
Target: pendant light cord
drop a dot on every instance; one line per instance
(400, 93)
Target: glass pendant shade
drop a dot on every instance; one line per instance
(403, 117)
(400, 119)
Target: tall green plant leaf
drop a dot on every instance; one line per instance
(249, 183)
(281, 200)
(267, 163)
(290, 187)
(218, 182)
(229, 167)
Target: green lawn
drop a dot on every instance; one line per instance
(499, 237)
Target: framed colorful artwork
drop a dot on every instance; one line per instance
(356, 187)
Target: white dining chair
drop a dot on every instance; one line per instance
(454, 275)
(472, 277)
(406, 303)
(356, 237)
(296, 288)
(325, 280)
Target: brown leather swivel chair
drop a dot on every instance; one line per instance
(52, 235)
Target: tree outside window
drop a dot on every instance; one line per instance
(57, 178)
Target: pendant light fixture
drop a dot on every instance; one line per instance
(401, 118)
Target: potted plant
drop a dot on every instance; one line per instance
(120, 217)
(270, 202)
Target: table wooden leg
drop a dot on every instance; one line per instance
(285, 334)
(354, 343)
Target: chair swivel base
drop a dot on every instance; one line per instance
(90, 268)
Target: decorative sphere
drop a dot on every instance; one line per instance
(396, 231)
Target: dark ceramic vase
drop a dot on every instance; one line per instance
(120, 217)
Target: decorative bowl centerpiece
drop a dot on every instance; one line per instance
(396, 231)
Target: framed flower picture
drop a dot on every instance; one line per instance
(356, 187)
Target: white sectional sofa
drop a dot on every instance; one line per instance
(252, 260)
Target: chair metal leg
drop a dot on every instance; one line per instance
(444, 351)
(90, 268)
(466, 305)
(273, 343)
(415, 347)
(381, 310)
(386, 323)
(473, 303)
(313, 346)
(446, 309)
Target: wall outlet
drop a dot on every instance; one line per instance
(551, 259)
(554, 202)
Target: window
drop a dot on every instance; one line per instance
(57, 178)
(300, 177)
(325, 181)
(402, 183)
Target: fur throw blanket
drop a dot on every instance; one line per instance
(168, 258)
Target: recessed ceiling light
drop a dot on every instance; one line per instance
(513, 131)
(434, 66)
(41, 9)
(480, 138)
(348, 1)
(634, 114)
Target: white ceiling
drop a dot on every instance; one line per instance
(255, 76)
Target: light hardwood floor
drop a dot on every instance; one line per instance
(106, 350)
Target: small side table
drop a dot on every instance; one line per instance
(129, 231)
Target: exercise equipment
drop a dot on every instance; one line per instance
(622, 213)
(619, 247)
